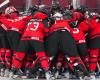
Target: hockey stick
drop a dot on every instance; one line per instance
(4, 3)
(76, 4)
(98, 67)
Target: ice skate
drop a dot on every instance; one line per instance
(92, 77)
(6, 72)
(19, 74)
(49, 76)
(28, 74)
(12, 72)
(2, 72)
(65, 75)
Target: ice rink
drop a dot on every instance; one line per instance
(3, 78)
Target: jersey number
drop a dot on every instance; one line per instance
(76, 30)
(36, 25)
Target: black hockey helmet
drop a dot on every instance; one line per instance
(33, 8)
(55, 8)
(81, 9)
(44, 9)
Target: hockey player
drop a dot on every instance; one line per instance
(80, 39)
(76, 15)
(91, 27)
(77, 34)
(16, 26)
(61, 39)
(5, 47)
(33, 39)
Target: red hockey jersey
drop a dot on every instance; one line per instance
(76, 16)
(78, 36)
(18, 24)
(5, 23)
(60, 24)
(35, 28)
(92, 28)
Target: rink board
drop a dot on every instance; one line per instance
(3, 78)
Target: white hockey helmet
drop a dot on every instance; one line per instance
(10, 10)
(58, 16)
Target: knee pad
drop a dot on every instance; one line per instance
(18, 60)
(40, 54)
(94, 52)
(8, 52)
(19, 56)
(93, 59)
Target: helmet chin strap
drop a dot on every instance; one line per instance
(4, 3)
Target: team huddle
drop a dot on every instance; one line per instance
(50, 44)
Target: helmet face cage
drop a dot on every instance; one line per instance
(10, 10)
(56, 8)
(44, 9)
(98, 18)
(87, 14)
(93, 15)
(81, 9)
(33, 9)
(57, 16)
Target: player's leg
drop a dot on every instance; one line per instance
(70, 51)
(18, 59)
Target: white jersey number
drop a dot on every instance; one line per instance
(76, 30)
(35, 27)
